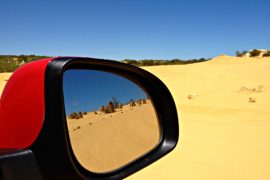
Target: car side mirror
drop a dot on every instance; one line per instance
(88, 118)
(111, 121)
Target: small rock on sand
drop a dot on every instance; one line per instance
(192, 96)
(252, 100)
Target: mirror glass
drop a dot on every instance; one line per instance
(111, 121)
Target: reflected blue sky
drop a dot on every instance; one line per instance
(88, 90)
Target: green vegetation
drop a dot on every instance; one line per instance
(9, 63)
(267, 54)
(152, 62)
(254, 53)
(240, 53)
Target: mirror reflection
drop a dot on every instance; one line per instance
(111, 121)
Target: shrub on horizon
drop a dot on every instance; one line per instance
(254, 53)
(267, 54)
(240, 53)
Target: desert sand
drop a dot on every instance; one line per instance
(3, 79)
(105, 142)
(224, 116)
(222, 134)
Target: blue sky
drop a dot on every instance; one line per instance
(138, 29)
(88, 90)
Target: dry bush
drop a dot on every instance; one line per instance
(192, 96)
(254, 53)
(251, 100)
(267, 54)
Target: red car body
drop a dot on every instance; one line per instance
(22, 106)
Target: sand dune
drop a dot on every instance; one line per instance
(3, 79)
(105, 142)
(222, 134)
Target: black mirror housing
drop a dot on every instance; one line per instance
(52, 147)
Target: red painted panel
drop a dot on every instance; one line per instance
(22, 106)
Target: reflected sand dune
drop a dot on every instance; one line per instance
(121, 126)
(105, 142)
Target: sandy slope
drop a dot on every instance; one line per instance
(105, 142)
(3, 79)
(223, 135)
